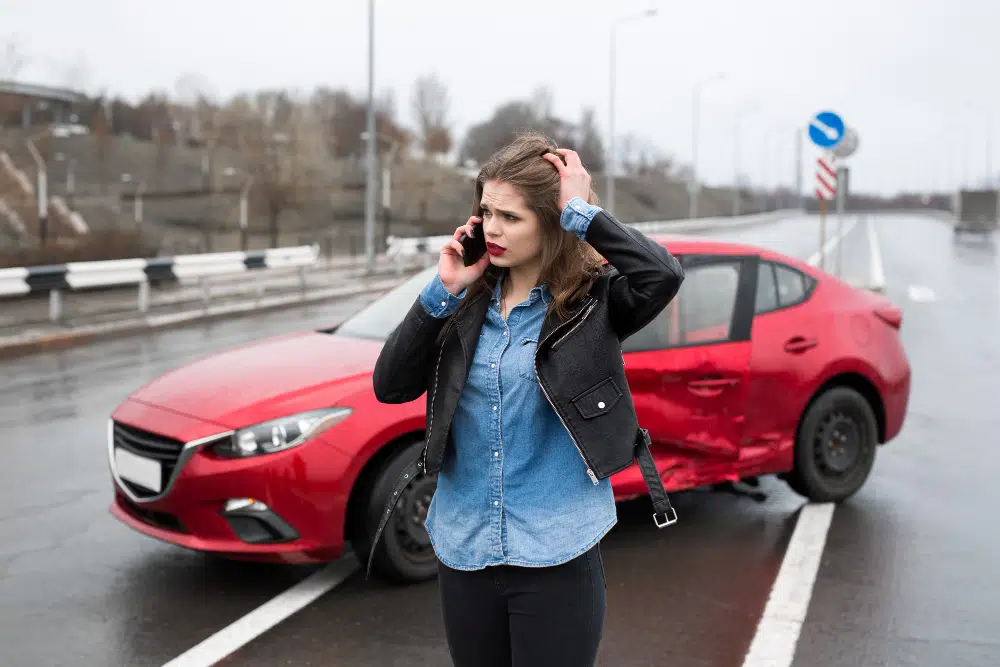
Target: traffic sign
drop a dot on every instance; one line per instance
(826, 129)
(848, 146)
(826, 178)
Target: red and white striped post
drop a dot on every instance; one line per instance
(826, 189)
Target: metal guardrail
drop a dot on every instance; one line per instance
(56, 279)
(405, 246)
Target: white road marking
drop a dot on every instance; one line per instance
(877, 272)
(920, 294)
(780, 625)
(265, 617)
(831, 243)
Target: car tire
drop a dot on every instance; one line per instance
(835, 447)
(404, 553)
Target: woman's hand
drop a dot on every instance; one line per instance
(574, 180)
(455, 275)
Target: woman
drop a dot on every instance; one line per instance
(528, 409)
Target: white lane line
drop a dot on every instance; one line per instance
(780, 625)
(831, 243)
(263, 618)
(920, 294)
(877, 272)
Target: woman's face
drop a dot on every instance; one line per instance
(513, 231)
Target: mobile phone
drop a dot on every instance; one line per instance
(473, 247)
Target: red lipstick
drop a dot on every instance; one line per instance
(494, 249)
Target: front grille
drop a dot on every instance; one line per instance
(151, 445)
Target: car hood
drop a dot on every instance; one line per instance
(265, 380)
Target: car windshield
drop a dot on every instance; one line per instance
(378, 319)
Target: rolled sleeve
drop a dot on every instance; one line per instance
(576, 216)
(438, 301)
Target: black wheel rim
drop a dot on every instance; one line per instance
(409, 517)
(841, 444)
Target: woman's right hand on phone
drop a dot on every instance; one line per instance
(455, 275)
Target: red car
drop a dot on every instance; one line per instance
(279, 451)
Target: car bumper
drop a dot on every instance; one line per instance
(298, 504)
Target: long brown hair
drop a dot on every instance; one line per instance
(569, 265)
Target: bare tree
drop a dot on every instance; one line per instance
(12, 58)
(281, 140)
(430, 107)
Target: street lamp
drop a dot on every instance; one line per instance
(370, 185)
(989, 138)
(743, 114)
(609, 161)
(695, 99)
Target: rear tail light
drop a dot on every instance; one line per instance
(891, 315)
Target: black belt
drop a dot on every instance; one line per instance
(661, 502)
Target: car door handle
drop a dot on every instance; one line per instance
(713, 383)
(798, 344)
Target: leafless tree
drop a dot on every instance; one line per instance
(281, 141)
(12, 58)
(431, 104)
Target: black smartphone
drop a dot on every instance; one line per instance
(473, 247)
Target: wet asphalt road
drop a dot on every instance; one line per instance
(905, 578)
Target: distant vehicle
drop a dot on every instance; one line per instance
(279, 451)
(977, 211)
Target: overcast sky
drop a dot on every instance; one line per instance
(902, 72)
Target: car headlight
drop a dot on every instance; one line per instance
(280, 434)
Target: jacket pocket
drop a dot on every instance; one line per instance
(599, 399)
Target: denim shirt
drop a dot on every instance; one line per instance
(513, 489)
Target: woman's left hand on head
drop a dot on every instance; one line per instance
(574, 180)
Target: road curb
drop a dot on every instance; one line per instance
(48, 342)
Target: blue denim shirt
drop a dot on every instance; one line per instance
(513, 489)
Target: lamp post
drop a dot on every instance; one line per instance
(609, 160)
(371, 181)
(987, 113)
(695, 111)
(744, 113)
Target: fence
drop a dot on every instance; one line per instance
(57, 279)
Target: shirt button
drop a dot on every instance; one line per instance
(601, 405)
(494, 408)
(496, 502)
(496, 453)
(493, 365)
(444, 303)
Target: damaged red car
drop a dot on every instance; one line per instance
(279, 451)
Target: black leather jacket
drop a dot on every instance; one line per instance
(578, 361)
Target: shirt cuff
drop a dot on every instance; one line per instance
(577, 215)
(438, 301)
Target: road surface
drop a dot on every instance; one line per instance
(908, 574)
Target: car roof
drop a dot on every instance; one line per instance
(681, 244)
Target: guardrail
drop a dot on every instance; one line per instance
(56, 279)
(404, 246)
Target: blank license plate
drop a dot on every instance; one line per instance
(138, 470)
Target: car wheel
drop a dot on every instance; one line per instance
(835, 448)
(404, 553)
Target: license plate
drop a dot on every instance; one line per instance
(138, 469)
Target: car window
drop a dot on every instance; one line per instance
(381, 317)
(791, 285)
(767, 289)
(702, 311)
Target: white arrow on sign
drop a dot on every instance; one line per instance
(830, 133)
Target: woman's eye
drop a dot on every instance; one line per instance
(486, 214)
(510, 217)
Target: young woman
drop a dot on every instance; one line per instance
(528, 408)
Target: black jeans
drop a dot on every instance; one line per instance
(507, 616)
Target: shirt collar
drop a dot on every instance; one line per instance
(538, 291)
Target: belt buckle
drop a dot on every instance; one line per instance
(667, 520)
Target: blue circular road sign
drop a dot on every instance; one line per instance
(826, 129)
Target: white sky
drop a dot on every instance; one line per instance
(902, 72)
